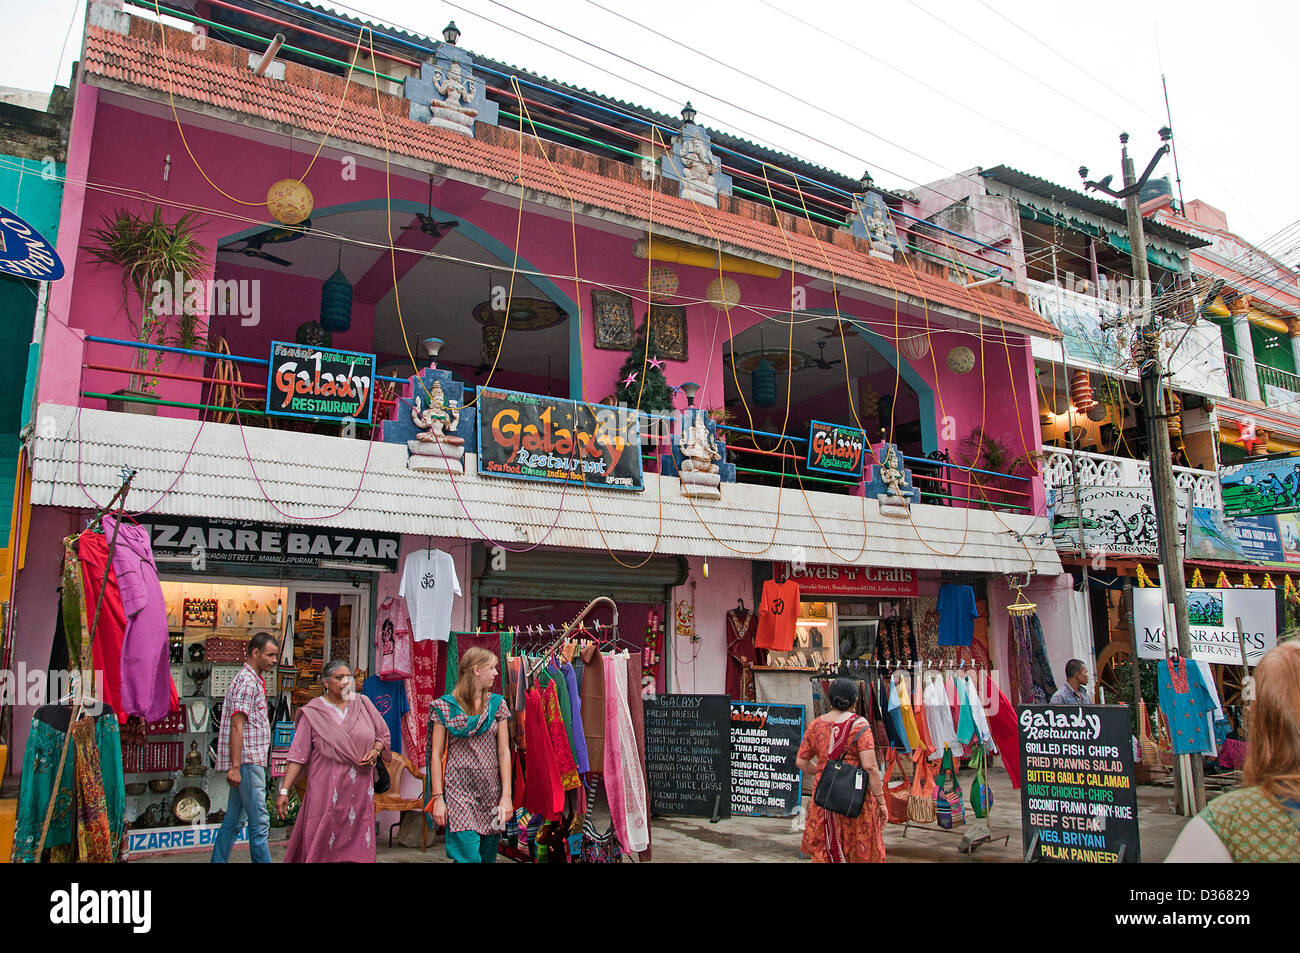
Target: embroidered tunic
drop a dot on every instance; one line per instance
(1185, 701)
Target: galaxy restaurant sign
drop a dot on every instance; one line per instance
(836, 449)
(531, 437)
(1212, 614)
(320, 383)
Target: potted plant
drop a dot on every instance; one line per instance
(149, 250)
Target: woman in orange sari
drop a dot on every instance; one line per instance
(832, 838)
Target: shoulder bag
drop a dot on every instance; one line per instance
(948, 806)
(981, 795)
(896, 792)
(842, 787)
(920, 802)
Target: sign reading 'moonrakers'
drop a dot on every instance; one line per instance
(1212, 614)
(1114, 519)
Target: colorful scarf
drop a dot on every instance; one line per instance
(472, 724)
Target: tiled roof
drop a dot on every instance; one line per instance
(308, 99)
(311, 477)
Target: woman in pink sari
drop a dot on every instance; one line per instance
(338, 737)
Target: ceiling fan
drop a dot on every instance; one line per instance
(820, 360)
(253, 243)
(428, 224)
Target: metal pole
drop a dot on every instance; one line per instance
(1169, 540)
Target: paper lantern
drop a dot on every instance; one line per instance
(723, 292)
(1081, 391)
(762, 383)
(915, 347)
(289, 201)
(336, 302)
(961, 360)
(661, 282)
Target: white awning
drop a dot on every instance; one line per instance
(283, 477)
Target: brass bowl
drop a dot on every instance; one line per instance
(136, 788)
(161, 785)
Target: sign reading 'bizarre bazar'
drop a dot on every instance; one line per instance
(320, 383)
(531, 437)
(868, 581)
(836, 449)
(269, 544)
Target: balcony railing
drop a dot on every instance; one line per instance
(1276, 388)
(223, 396)
(1099, 469)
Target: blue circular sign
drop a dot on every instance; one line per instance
(25, 252)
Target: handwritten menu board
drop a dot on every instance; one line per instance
(1079, 799)
(688, 754)
(764, 741)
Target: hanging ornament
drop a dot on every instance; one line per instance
(1245, 581)
(762, 383)
(661, 283)
(336, 300)
(289, 201)
(1268, 582)
(313, 335)
(1081, 391)
(1198, 581)
(723, 292)
(1144, 581)
(915, 347)
(1222, 582)
(961, 360)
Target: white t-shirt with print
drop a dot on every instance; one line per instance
(429, 584)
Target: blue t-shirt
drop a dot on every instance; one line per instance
(390, 702)
(957, 615)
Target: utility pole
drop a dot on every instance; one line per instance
(1169, 540)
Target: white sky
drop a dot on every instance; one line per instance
(977, 91)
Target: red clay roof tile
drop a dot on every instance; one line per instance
(312, 103)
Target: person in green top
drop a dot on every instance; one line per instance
(1258, 823)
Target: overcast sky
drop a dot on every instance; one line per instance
(912, 89)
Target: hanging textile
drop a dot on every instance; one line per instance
(592, 690)
(1185, 702)
(575, 703)
(741, 627)
(422, 688)
(89, 798)
(938, 714)
(625, 779)
(1003, 726)
(544, 794)
(110, 628)
(1033, 681)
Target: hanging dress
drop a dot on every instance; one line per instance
(624, 780)
(938, 715)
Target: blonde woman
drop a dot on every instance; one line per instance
(472, 800)
(1261, 821)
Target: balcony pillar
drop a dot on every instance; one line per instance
(1246, 351)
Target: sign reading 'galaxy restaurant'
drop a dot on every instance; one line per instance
(320, 383)
(531, 437)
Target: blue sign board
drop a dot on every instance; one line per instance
(1260, 538)
(25, 252)
(836, 449)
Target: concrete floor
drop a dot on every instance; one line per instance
(774, 840)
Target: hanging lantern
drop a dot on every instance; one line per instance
(915, 347)
(661, 282)
(289, 201)
(313, 335)
(762, 383)
(1176, 417)
(491, 342)
(961, 360)
(723, 293)
(336, 302)
(1081, 391)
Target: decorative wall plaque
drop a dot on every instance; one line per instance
(612, 319)
(668, 331)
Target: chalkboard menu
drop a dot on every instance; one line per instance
(764, 741)
(1079, 799)
(687, 754)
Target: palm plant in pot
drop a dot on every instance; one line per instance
(150, 252)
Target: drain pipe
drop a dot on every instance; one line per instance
(985, 281)
(269, 56)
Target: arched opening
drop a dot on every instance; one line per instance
(458, 295)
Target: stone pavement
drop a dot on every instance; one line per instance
(774, 840)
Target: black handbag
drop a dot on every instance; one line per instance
(842, 787)
(382, 781)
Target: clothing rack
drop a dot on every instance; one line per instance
(555, 644)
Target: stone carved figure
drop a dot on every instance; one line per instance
(698, 471)
(455, 88)
(436, 447)
(891, 474)
(697, 166)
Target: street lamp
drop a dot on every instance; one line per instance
(688, 113)
(451, 33)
